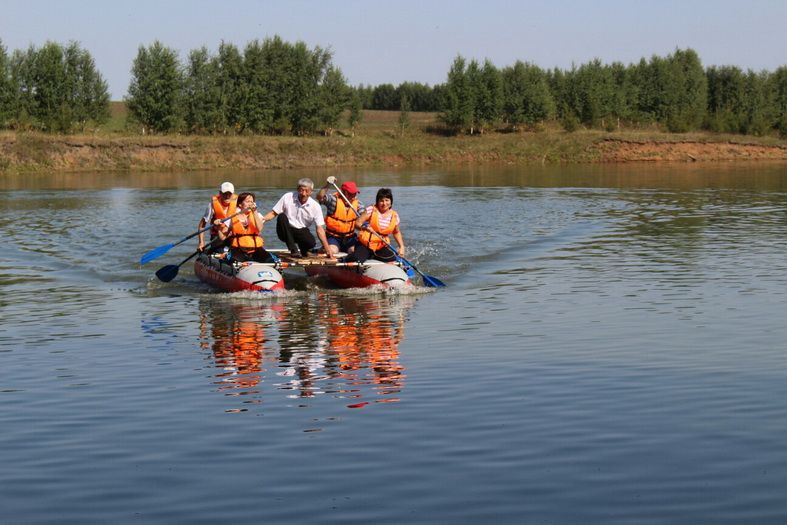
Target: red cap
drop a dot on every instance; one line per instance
(349, 187)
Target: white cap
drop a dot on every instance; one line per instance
(227, 187)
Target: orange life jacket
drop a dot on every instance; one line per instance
(247, 238)
(220, 213)
(342, 222)
(371, 240)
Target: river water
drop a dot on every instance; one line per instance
(610, 348)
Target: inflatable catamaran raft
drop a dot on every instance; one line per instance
(263, 277)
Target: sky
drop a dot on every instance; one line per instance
(375, 42)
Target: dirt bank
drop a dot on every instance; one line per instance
(614, 150)
(27, 152)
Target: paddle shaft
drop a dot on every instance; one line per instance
(358, 215)
(170, 271)
(155, 253)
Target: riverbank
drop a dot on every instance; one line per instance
(376, 144)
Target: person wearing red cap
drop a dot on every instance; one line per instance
(340, 218)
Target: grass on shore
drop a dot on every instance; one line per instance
(378, 140)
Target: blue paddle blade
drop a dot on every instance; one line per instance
(167, 273)
(432, 282)
(155, 253)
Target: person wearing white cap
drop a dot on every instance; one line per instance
(222, 205)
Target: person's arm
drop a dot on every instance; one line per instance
(363, 218)
(257, 219)
(223, 229)
(319, 226)
(322, 192)
(261, 220)
(324, 241)
(397, 235)
(202, 223)
(277, 209)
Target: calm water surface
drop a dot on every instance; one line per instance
(610, 348)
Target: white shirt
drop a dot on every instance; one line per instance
(299, 215)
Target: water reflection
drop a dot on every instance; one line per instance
(328, 343)
(365, 337)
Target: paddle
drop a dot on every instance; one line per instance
(170, 271)
(429, 280)
(155, 253)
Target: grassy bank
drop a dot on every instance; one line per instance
(377, 142)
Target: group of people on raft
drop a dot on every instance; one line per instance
(347, 227)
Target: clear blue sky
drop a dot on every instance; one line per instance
(375, 42)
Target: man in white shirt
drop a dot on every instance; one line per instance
(296, 212)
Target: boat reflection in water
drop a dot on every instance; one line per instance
(336, 344)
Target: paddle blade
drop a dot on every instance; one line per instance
(432, 282)
(167, 273)
(155, 253)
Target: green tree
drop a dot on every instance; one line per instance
(51, 87)
(311, 69)
(88, 93)
(203, 104)
(257, 98)
(231, 87)
(365, 94)
(489, 96)
(283, 86)
(527, 99)
(56, 88)
(6, 89)
(778, 86)
(475, 91)
(458, 109)
(334, 98)
(683, 91)
(625, 97)
(155, 94)
(592, 93)
(355, 115)
(419, 95)
(645, 76)
(384, 97)
(726, 99)
(404, 115)
(23, 87)
(758, 108)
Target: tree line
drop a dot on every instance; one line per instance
(276, 87)
(675, 92)
(54, 88)
(270, 87)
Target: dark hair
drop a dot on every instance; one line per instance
(383, 193)
(242, 197)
